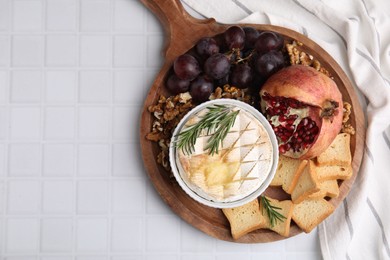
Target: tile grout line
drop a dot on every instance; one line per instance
(86, 178)
(110, 133)
(7, 157)
(36, 141)
(42, 153)
(39, 177)
(83, 68)
(6, 145)
(86, 215)
(87, 32)
(75, 130)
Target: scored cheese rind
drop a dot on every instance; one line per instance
(242, 164)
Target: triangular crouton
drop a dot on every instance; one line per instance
(290, 181)
(307, 184)
(245, 218)
(338, 153)
(309, 213)
(287, 172)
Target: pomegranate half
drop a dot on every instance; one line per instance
(304, 108)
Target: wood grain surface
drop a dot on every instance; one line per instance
(182, 33)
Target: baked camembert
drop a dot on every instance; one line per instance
(242, 163)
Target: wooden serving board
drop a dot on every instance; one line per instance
(182, 33)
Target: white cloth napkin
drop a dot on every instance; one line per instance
(357, 34)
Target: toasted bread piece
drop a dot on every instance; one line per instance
(311, 212)
(287, 171)
(245, 218)
(329, 188)
(290, 181)
(307, 184)
(282, 227)
(279, 174)
(334, 172)
(338, 153)
(286, 167)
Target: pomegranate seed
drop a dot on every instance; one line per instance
(314, 130)
(290, 121)
(299, 136)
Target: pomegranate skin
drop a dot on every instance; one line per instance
(315, 89)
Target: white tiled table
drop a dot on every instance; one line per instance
(73, 76)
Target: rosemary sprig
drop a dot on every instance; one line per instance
(217, 121)
(273, 215)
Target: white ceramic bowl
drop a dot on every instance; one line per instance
(241, 200)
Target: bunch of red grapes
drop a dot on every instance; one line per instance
(241, 57)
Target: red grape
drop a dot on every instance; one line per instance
(186, 67)
(235, 37)
(268, 41)
(241, 76)
(243, 57)
(222, 81)
(175, 85)
(251, 35)
(217, 66)
(269, 63)
(207, 47)
(201, 89)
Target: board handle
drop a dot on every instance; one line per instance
(179, 25)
